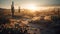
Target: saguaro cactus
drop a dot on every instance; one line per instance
(12, 9)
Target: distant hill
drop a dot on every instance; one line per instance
(4, 11)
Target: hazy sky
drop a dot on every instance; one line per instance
(7, 3)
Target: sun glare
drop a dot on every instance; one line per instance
(30, 7)
(33, 7)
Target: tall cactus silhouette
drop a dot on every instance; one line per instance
(12, 9)
(19, 9)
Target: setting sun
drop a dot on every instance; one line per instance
(33, 7)
(30, 6)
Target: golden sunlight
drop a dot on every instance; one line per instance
(30, 6)
(33, 7)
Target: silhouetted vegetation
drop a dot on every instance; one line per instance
(4, 20)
